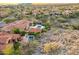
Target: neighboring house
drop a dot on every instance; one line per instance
(2, 24)
(36, 28)
(21, 24)
(39, 26)
(6, 39)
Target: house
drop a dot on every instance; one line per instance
(6, 39)
(39, 26)
(20, 24)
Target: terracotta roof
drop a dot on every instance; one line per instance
(21, 24)
(2, 33)
(34, 30)
(15, 36)
(5, 37)
(2, 47)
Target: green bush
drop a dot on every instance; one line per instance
(33, 33)
(16, 45)
(22, 33)
(18, 31)
(47, 26)
(33, 43)
(75, 26)
(9, 20)
(16, 48)
(12, 49)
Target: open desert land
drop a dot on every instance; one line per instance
(39, 29)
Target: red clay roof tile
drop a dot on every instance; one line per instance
(34, 30)
(21, 24)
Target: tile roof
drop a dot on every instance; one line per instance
(21, 24)
(34, 30)
(5, 37)
(3, 33)
(2, 47)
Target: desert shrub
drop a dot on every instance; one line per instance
(5, 12)
(30, 47)
(33, 43)
(51, 47)
(12, 49)
(18, 31)
(16, 48)
(77, 14)
(16, 45)
(1, 53)
(75, 26)
(35, 34)
(73, 50)
(47, 26)
(66, 26)
(8, 20)
(61, 19)
(8, 50)
(72, 15)
(30, 51)
(22, 33)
